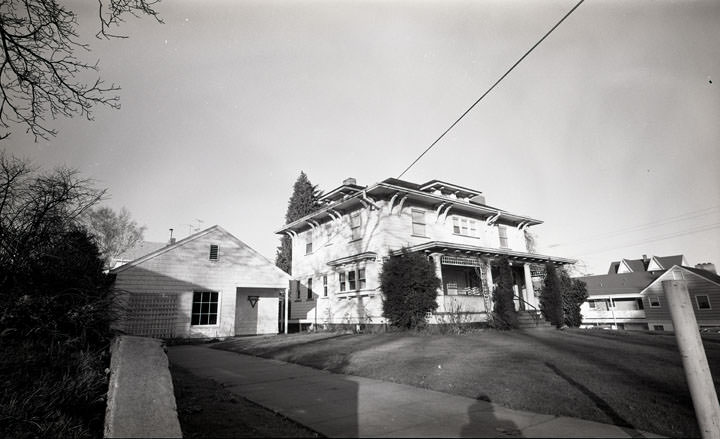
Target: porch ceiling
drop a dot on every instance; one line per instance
(450, 248)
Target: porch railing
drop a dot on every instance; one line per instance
(536, 314)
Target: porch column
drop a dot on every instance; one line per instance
(489, 276)
(529, 290)
(437, 260)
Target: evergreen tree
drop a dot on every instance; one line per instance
(410, 287)
(551, 296)
(574, 293)
(304, 200)
(504, 313)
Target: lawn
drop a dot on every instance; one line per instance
(625, 378)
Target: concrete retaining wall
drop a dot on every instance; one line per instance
(141, 400)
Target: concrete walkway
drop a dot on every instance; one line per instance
(350, 406)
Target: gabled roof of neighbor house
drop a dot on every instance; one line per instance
(665, 262)
(191, 238)
(669, 274)
(619, 283)
(645, 264)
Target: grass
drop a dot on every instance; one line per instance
(630, 379)
(206, 409)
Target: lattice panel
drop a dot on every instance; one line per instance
(463, 261)
(152, 315)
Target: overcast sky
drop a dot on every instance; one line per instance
(609, 131)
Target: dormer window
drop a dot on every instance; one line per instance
(213, 252)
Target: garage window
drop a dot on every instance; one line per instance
(204, 308)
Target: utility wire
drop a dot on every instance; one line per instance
(658, 238)
(492, 87)
(650, 225)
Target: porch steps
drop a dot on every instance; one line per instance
(528, 321)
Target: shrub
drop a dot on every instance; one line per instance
(410, 287)
(504, 314)
(574, 293)
(551, 296)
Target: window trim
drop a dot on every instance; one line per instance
(503, 236)
(309, 242)
(343, 281)
(208, 313)
(355, 228)
(657, 298)
(414, 223)
(349, 277)
(325, 285)
(470, 226)
(707, 297)
(309, 295)
(592, 304)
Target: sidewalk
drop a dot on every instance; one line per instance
(350, 406)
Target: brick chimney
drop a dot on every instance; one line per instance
(707, 266)
(350, 181)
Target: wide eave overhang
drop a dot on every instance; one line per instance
(449, 248)
(367, 196)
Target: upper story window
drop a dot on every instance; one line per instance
(308, 242)
(703, 301)
(325, 285)
(418, 222)
(213, 252)
(355, 223)
(654, 301)
(502, 231)
(465, 226)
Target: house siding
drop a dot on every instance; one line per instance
(696, 286)
(186, 269)
(380, 232)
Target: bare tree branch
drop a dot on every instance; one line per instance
(39, 72)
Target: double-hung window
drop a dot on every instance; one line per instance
(308, 242)
(325, 285)
(361, 278)
(418, 222)
(343, 284)
(502, 232)
(352, 284)
(355, 223)
(309, 289)
(204, 308)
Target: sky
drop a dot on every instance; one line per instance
(609, 131)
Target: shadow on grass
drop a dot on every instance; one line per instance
(599, 402)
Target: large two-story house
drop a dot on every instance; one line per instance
(338, 251)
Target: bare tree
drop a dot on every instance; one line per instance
(114, 232)
(40, 75)
(36, 209)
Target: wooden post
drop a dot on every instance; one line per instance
(285, 311)
(694, 360)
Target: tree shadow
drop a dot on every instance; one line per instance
(600, 403)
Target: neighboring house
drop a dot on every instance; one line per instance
(704, 289)
(209, 284)
(139, 250)
(338, 250)
(627, 297)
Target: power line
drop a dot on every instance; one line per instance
(644, 226)
(492, 87)
(659, 238)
